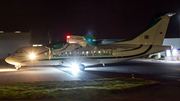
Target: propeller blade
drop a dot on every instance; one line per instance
(49, 53)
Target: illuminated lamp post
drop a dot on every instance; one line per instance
(179, 38)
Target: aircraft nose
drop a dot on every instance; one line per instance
(11, 61)
(8, 59)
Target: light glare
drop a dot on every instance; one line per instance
(168, 53)
(74, 66)
(6, 70)
(1, 31)
(175, 52)
(68, 37)
(35, 45)
(17, 31)
(32, 56)
(74, 69)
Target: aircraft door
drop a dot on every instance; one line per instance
(119, 53)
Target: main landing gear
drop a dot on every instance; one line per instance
(18, 67)
(82, 67)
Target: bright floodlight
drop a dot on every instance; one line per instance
(170, 14)
(74, 69)
(168, 52)
(74, 66)
(175, 52)
(32, 56)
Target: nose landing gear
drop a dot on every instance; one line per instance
(18, 67)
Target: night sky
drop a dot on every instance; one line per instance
(105, 19)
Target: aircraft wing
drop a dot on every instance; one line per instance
(115, 46)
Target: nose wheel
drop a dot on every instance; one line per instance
(18, 67)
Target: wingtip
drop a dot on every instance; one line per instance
(170, 14)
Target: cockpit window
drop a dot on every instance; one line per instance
(18, 51)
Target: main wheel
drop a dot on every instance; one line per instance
(18, 68)
(82, 67)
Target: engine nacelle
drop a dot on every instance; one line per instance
(76, 39)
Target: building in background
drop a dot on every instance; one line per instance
(11, 41)
(173, 54)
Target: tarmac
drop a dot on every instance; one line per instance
(166, 72)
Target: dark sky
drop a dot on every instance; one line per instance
(110, 19)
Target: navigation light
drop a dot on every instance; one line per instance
(68, 36)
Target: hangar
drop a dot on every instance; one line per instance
(10, 41)
(174, 54)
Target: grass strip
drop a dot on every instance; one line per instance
(70, 90)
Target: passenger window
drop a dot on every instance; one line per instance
(86, 52)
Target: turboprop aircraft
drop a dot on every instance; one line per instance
(78, 52)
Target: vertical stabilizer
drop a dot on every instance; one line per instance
(154, 34)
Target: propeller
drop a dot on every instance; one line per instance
(50, 53)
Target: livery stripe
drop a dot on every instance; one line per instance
(104, 57)
(100, 57)
(140, 53)
(131, 49)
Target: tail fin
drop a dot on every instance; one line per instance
(154, 34)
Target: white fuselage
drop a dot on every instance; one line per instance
(72, 53)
